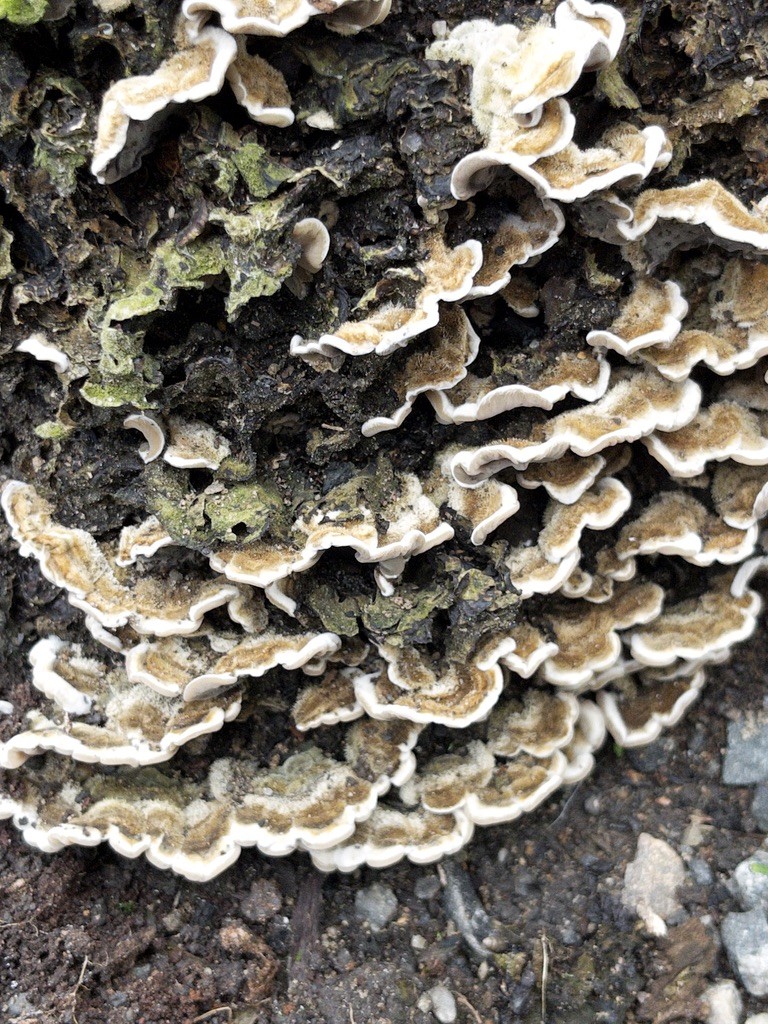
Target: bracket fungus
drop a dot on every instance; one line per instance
(405, 539)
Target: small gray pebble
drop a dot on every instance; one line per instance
(698, 739)
(746, 757)
(173, 921)
(724, 1003)
(569, 936)
(443, 1004)
(700, 871)
(19, 1006)
(745, 936)
(593, 804)
(426, 887)
(760, 806)
(342, 959)
(751, 881)
(377, 905)
(524, 882)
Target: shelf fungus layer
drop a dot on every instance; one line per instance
(417, 439)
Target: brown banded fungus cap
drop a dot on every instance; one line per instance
(402, 539)
(279, 17)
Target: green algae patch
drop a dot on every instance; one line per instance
(253, 251)
(246, 255)
(170, 498)
(253, 507)
(23, 12)
(202, 520)
(407, 616)
(113, 394)
(54, 430)
(337, 614)
(262, 175)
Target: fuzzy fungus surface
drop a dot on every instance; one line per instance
(413, 441)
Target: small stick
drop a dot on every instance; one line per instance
(77, 988)
(468, 1006)
(544, 975)
(21, 924)
(212, 1013)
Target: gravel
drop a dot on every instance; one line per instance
(651, 882)
(751, 881)
(443, 1004)
(377, 905)
(426, 887)
(700, 871)
(746, 939)
(724, 1003)
(746, 757)
(760, 806)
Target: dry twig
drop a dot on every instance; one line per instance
(212, 1013)
(468, 1006)
(545, 947)
(77, 988)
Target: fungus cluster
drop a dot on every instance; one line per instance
(459, 536)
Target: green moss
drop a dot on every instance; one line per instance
(226, 179)
(262, 175)
(175, 505)
(615, 89)
(339, 615)
(374, 488)
(512, 964)
(201, 520)
(23, 12)
(353, 80)
(54, 430)
(151, 288)
(125, 375)
(254, 506)
(111, 394)
(406, 617)
(233, 470)
(253, 252)
(61, 165)
(62, 139)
